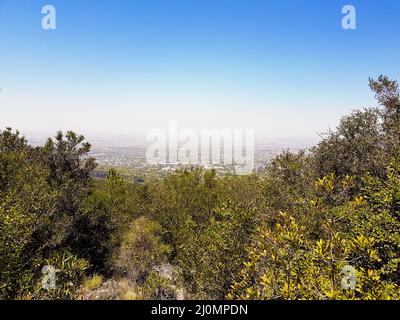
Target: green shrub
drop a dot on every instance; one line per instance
(158, 288)
(93, 282)
(142, 249)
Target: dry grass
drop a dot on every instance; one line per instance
(93, 282)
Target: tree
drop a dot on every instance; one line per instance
(40, 195)
(366, 141)
(388, 97)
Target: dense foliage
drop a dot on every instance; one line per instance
(318, 224)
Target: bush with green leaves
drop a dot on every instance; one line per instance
(303, 256)
(40, 195)
(156, 287)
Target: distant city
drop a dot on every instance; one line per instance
(128, 153)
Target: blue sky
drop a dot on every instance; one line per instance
(285, 68)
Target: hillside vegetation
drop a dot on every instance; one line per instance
(323, 224)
